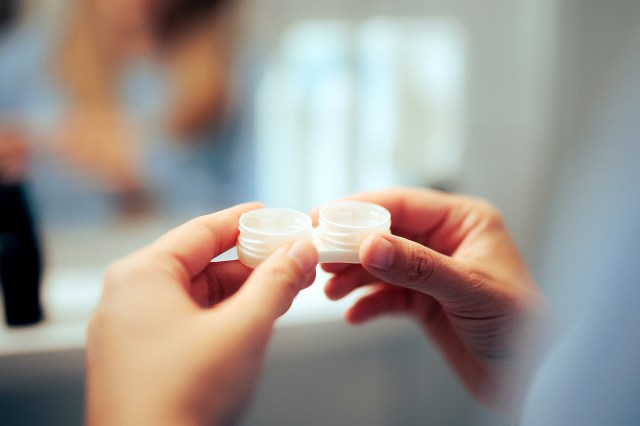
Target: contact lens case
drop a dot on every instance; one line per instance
(341, 228)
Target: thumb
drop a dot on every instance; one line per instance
(402, 262)
(271, 288)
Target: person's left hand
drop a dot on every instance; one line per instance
(179, 340)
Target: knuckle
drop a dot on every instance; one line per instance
(487, 207)
(114, 276)
(419, 266)
(477, 278)
(287, 279)
(489, 212)
(123, 272)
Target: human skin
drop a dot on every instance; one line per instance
(452, 267)
(14, 155)
(177, 340)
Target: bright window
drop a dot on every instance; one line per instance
(349, 106)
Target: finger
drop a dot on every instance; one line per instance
(398, 301)
(218, 281)
(387, 300)
(334, 268)
(271, 288)
(390, 300)
(192, 245)
(313, 214)
(344, 283)
(405, 263)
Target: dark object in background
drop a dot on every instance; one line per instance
(8, 9)
(20, 258)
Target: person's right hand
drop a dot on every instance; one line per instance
(452, 266)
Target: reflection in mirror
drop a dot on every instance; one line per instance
(360, 105)
(116, 123)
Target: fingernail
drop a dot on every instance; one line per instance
(332, 288)
(381, 254)
(303, 253)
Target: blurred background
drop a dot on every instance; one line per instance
(122, 118)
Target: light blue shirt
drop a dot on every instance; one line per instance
(185, 179)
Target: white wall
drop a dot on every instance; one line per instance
(508, 90)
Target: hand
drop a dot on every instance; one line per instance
(179, 340)
(452, 266)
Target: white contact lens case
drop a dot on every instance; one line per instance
(341, 228)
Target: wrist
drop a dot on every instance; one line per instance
(537, 335)
(141, 416)
(139, 407)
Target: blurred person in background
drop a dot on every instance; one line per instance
(122, 103)
(117, 110)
